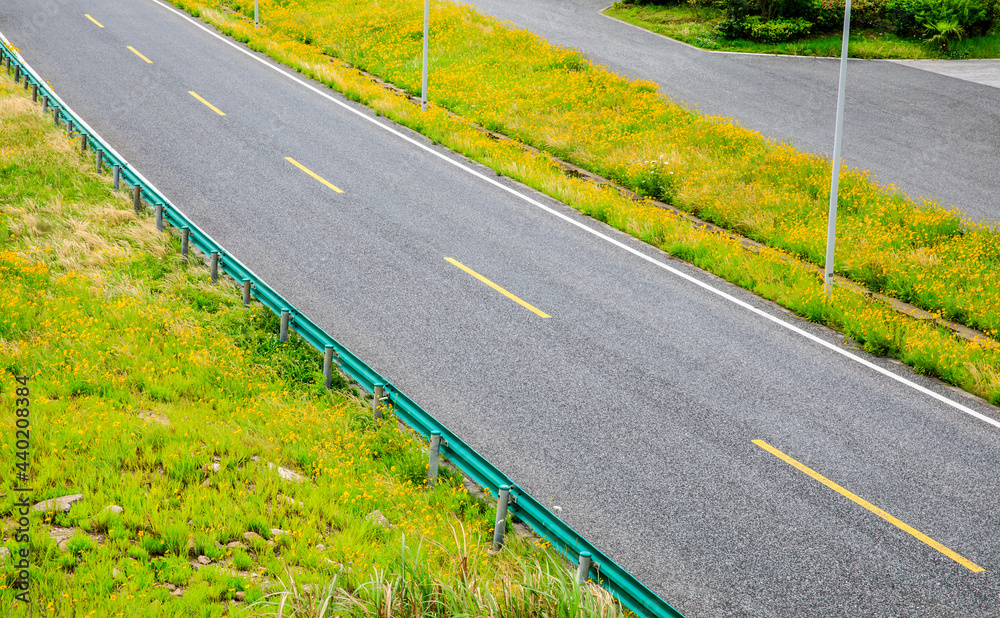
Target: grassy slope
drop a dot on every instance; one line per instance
(493, 75)
(696, 26)
(143, 376)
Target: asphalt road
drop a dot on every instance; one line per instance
(633, 406)
(928, 134)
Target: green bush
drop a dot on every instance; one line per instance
(920, 18)
(829, 15)
(775, 21)
(656, 179)
(767, 21)
(653, 2)
(755, 28)
(778, 30)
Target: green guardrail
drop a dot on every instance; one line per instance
(602, 569)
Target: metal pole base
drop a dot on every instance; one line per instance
(500, 528)
(283, 333)
(214, 261)
(328, 367)
(433, 458)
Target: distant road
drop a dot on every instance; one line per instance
(929, 134)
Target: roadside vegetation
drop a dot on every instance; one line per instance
(898, 29)
(487, 74)
(215, 476)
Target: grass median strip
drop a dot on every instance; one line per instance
(972, 566)
(216, 475)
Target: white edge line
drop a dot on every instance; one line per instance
(602, 236)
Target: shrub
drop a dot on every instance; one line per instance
(757, 29)
(653, 2)
(919, 18)
(656, 179)
(829, 14)
(944, 33)
(778, 30)
(767, 21)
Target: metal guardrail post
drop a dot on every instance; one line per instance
(246, 293)
(283, 332)
(83, 144)
(45, 105)
(185, 238)
(500, 528)
(17, 74)
(159, 217)
(137, 198)
(69, 128)
(583, 568)
(328, 367)
(378, 393)
(55, 115)
(214, 264)
(34, 94)
(434, 452)
(99, 156)
(117, 171)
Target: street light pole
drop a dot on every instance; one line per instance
(831, 228)
(256, 13)
(427, 22)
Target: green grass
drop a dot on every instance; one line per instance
(155, 391)
(695, 25)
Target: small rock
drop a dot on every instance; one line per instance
(240, 595)
(4, 554)
(61, 535)
(170, 586)
(114, 508)
(215, 467)
(115, 573)
(250, 537)
(177, 593)
(63, 503)
(320, 547)
(190, 543)
(278, 531)
(286, 474)
(204, 560)
(206, 483)
(255, 459)
(234, 545)
(376, 517)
